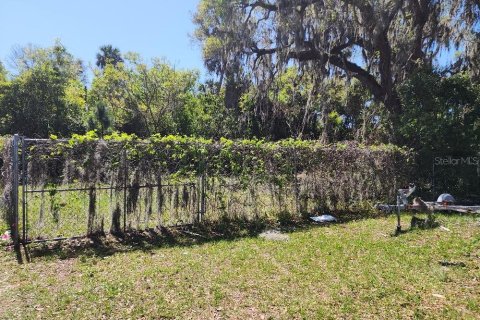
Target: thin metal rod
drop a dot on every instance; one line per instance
(24, 187)
(296, 184)
(125, 182)
(198, 199)
(14, 226)
(108, 188)
(399, 226)
(433, 177)
(45, 140)
(203, 198)
(71, 189)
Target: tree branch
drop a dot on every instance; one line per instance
(336, 60)
(261, 4)
(282, 5)
(361, 74)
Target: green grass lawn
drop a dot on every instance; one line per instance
(352, 270)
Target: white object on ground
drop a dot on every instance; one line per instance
(273, 235)
(444, 228)
(324, 218)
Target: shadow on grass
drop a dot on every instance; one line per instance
(187, 235)
(417, 223)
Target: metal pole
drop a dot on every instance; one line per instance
(14, 220)
(125, 190)
(399, 226)
(204, 195)
(296, 185)
(24, 189)
(203, 191)
(433, 177)
(198, 197)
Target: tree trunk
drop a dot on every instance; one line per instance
(393, 105)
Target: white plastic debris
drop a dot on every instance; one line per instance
(273, 235)
(324, 218)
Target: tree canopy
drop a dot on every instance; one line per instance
(377, 42)
(108, 55)
(3, 73)
(46, 95)
(147, 98)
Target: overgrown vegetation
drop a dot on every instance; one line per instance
(161, 180)
(436, 108)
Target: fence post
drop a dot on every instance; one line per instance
(14, 220)
(296, 184)
(125, 183)
(433, 177)
(24, 194)
(202, 190)
(198, 198)
(204, 200)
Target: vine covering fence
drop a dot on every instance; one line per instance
(85, 186)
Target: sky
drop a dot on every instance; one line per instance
(153, 28)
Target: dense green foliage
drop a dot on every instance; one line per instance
(258, 160)
(147, 99)
(47, 96)
(441, 118)
(441, 114)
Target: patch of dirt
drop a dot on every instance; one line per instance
(274, 235)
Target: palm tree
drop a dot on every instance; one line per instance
(108, 55)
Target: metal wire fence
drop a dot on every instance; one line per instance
(59, 191)
(55, 206)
